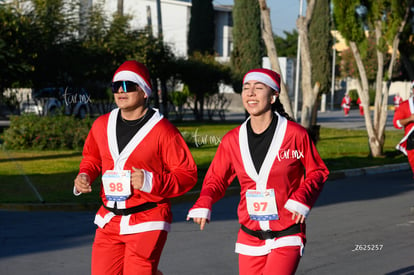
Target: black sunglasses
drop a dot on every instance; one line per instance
(127, 86)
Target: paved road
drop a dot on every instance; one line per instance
(336, 119)
(363, 210)
(329, 119)
(370, 209)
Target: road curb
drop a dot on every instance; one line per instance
(193, 195)
(381, 169)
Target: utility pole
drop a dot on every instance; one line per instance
(159, 19)
(333, 74)
(295, 108)
(120, 7)
(149, 20)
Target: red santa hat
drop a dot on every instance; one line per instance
(136, 72)
(266, 76)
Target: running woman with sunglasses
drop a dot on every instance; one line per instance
(143, 162)
(280, 173)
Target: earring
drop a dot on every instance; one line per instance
(274, 99)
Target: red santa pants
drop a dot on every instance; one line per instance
(410, 155)
(126, 254)
(346, 110)
(280, 261)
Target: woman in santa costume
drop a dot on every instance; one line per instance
(346, 104)
(280, 173)
(404, 118)
(397, 101)
(361, 107)
(144, 162)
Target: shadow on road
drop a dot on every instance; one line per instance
(403, 271)
(25, 232)
(366, 188)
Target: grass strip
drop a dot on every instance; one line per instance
(53, 172)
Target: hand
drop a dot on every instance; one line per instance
(137, 178)
(298, 218)
(407, 120)
(201, 221)
(83, 183)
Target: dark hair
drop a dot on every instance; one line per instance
(278, 107)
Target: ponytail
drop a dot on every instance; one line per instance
(278, 107)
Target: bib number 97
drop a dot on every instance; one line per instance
(260, 206)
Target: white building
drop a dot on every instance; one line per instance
(287, 71)
(223, 21)
(175, 19)
(174, 16)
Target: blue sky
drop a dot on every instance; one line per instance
(283, 13)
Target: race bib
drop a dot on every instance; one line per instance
(261, 205)
(117, 185)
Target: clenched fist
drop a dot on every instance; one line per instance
(137, 178)
(83, 183)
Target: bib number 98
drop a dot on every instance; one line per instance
(116, 187)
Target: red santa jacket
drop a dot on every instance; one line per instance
(405, 110)
(160, 150)
(346, 102)
(292, 167)
(397, 101)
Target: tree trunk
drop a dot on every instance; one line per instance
(308, 94)
(395, 45)
(201, 111)
(120, 7)
(376, 131)
(164, 97)
(267, 35)
(381, 99)
(363, 93)
(1, 93)
(198, 107)
(379, 78)
(195, 109)
(314, 114)
(155, 96)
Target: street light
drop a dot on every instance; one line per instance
(362, 11)
(295, 109)
(333, 62)
(333, 74)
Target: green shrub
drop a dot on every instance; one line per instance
(354, 96)
(30, 131)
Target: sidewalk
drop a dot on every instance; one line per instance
(193, 195)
